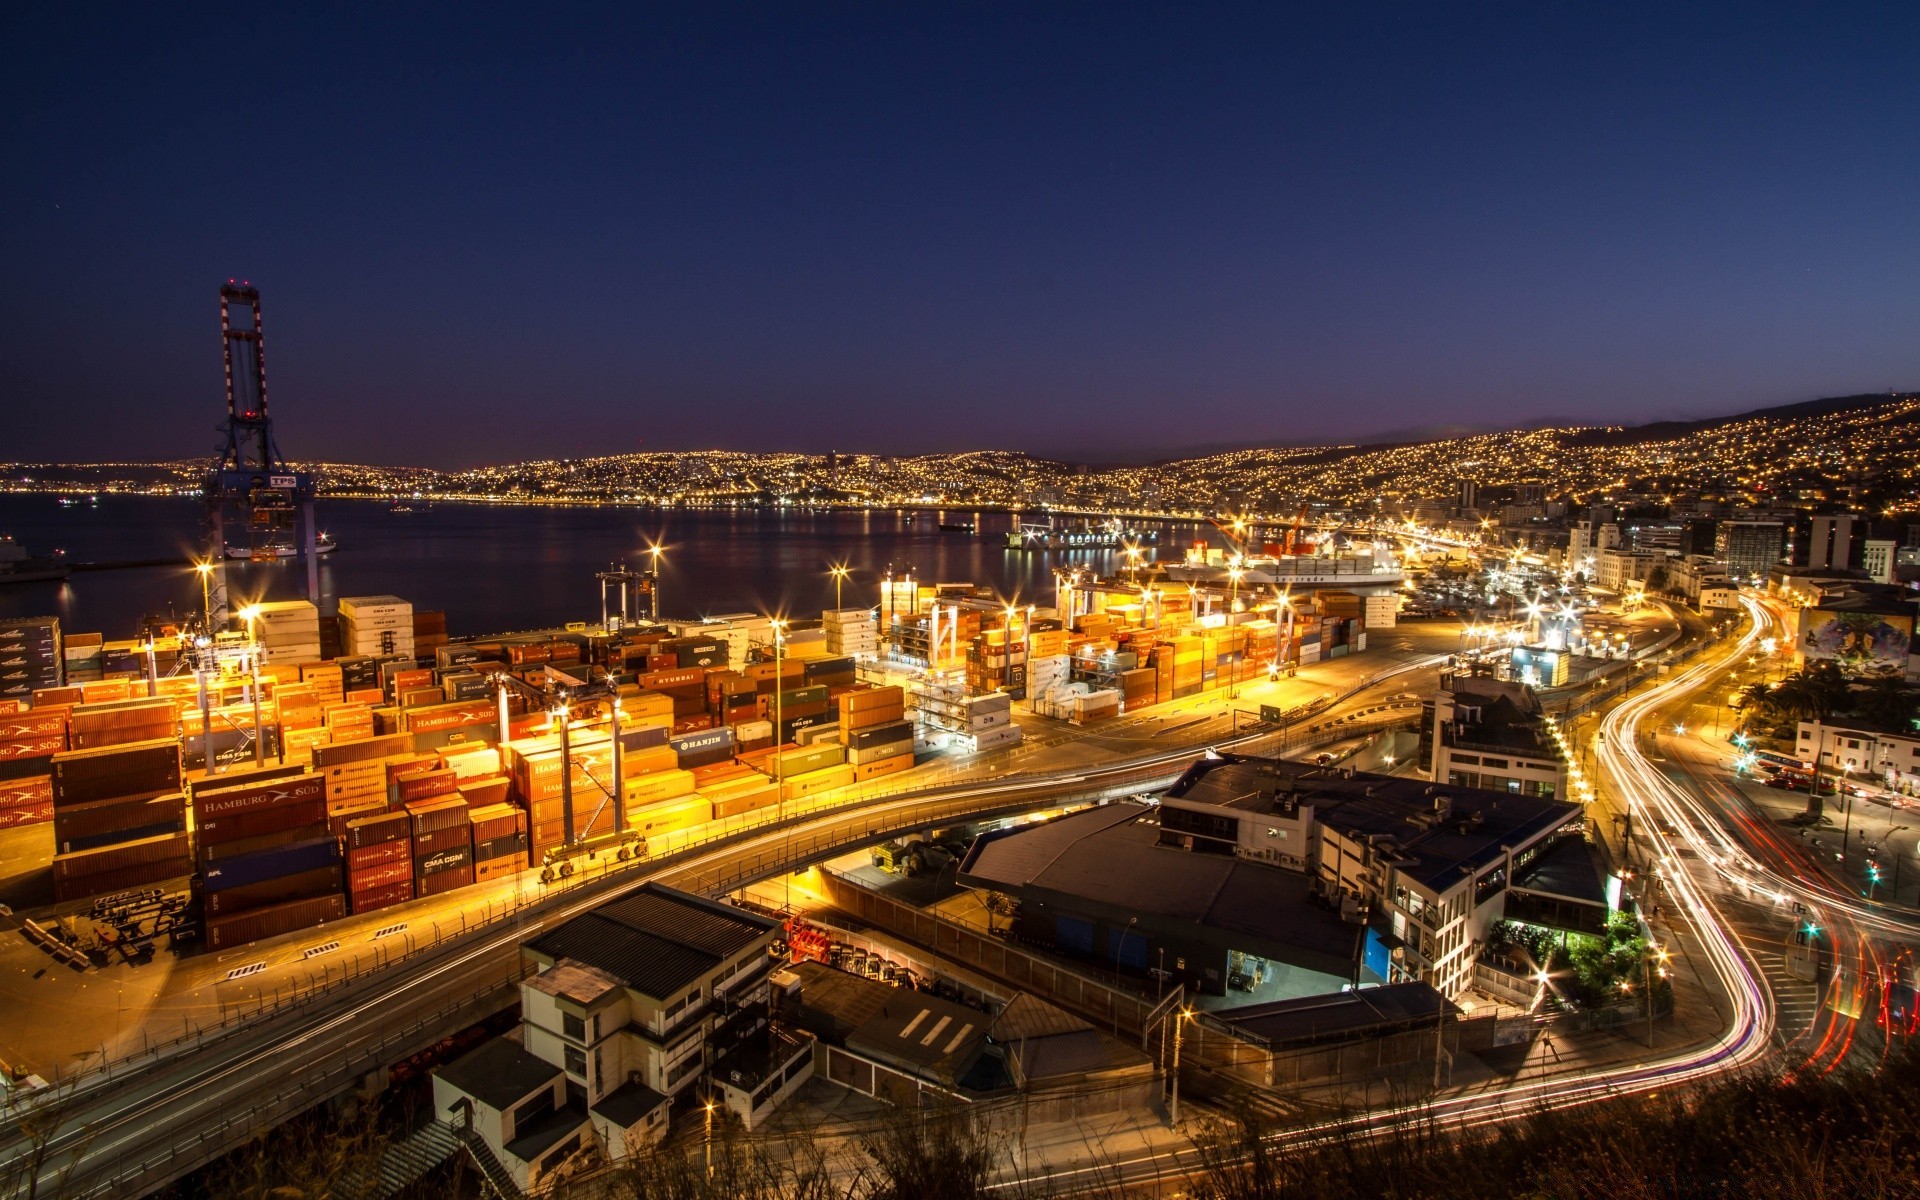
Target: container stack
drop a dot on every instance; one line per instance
(1047, 676)
(442, 845)
(429, 633)
(499, 837)
(104, 805)
(30, 656)
(989, 723)
(268, 862)
(85, 657)
(287, 631)
(878, 739)
(122, 722)
(28, 741)
(376, 626)
(852, 633)
(379, 861)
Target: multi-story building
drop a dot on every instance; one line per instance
(1834, 541)
(631, 1006)
(1427, 864)
(1695, 573)
(1877, 558)
(1749, 548)
(1258, 880)
(1890, 759)
(1615, 569)
(1490, 733)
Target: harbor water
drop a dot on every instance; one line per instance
(495, 567)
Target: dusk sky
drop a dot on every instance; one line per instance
(1092, 231)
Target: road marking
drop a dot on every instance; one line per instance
(388, 931)
(243, 972)
(317, 951)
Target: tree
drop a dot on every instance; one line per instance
(1889, 703)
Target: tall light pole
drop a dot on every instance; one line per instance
(839, 574)
(779, 766)
(654, 551)
(205, 570)
(1178, 1017)
(1233, 606)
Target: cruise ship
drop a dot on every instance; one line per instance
(1366, 567)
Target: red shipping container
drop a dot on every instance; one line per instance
(432, 815)
(439, 840)
(34, 812)
(360, 879)
(259, 822)
(385, 896)
(445, 881)
(359, 858)
(226, 932)
(247, 797)
(118, 879)
(375, 830)
(426, 785)
(212, 852)
(693, 723)
(28, 790)
(17, 727)
(38, 747)
(166, 848)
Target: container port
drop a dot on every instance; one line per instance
(301, 766)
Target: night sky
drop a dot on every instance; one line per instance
(1092, 231)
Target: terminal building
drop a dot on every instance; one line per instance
(1259, 880)
(655, 997)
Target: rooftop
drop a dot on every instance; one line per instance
(575, 981)
(499, 1074)
(1477, 827)
(1568, 870)
(1340, 1016)
(919, 1032)
(657, 941)
(1110, 856)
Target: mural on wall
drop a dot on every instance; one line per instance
(1862, 643)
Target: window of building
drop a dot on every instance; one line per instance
(531, 1110)
(573, 1027)
(576, 1061)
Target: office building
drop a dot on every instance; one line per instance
(1834, 541)
(1749, 548)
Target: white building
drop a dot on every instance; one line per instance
(1890, 759)
(1877, 558)
(633, 1005)
(1489, 733)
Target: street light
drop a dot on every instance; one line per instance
(839, 574)
(205, 570)
(1173, 1110)
(1233, 606)
(655, 550)
(709, 1139)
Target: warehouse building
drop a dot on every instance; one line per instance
(1258, 880)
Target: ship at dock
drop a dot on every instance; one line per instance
(17, 566)
(1360, 567)
(1084, 535)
